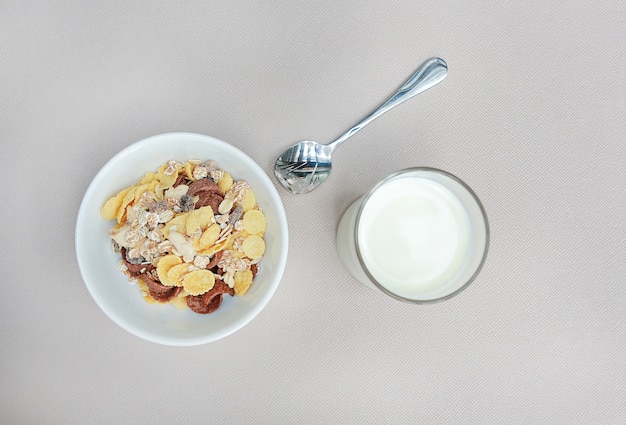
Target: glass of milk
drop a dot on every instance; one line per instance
(420, 235)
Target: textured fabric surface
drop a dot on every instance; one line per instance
(531, 115)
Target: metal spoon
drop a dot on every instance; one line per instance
(306, 165)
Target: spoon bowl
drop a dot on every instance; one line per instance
(306, 165)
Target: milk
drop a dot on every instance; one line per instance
(414, 236)
(420, 236)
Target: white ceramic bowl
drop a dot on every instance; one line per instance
(123, 302)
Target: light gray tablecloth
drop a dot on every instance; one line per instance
(531, 115)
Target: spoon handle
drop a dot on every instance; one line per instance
(429, 74)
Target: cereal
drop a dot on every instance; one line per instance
(198, 219)
(148, 178)
(112, 205)
(200, 172)
(210, 236)
(182, 246)
(163, 266)
(202, 261)
(248, 202)
(225, 206)
(219, 246)
(185, 228)
(254, 222)
(243, 280)
(176, 272)
(189, 170)
(225, 182)
(140, 190)
(198, 282)
(177, 223)
(253, 247)
(130, 195)
(168, 173)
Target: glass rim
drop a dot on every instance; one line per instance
(392, 176)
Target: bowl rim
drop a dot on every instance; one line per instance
(277, 269)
